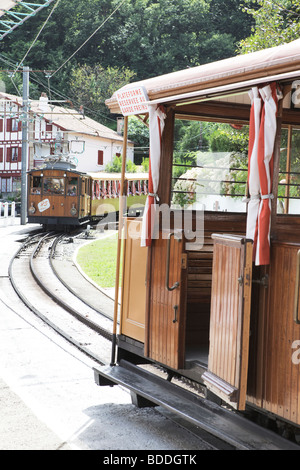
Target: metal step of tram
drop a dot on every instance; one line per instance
(228, 426)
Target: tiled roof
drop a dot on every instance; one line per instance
(68, 119)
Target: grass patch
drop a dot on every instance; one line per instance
(98, 260)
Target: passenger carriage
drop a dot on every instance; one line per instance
(214, 295)
(59, 197)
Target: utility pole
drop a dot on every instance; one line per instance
(25, 145)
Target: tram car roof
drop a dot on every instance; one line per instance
(117, 176)
(103, 176)
(53, 168)
(238, 73)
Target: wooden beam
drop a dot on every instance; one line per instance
(164, 187)
(119, 245)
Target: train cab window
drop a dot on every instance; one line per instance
(54, 186)
(72, 185)
(289, 176)
(210, 166)
(36, 185)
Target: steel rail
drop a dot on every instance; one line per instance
(94, 326)
(67, 286)
(39, 239)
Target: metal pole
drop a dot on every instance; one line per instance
(121, 200)
(24, 146)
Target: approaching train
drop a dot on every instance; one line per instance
(223, 313)
(61, 197)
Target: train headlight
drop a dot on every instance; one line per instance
(31, 209)
(73, 210)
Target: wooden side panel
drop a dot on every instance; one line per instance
(133, 305)
(229, 319)
(200, 272)
(281, 358)
(166, 322)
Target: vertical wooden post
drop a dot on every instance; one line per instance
(288, 169)
(119, 244)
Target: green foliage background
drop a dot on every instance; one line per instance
(141, 39)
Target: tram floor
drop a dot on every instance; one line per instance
(197, 354)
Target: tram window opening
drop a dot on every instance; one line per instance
(289, 172)
(36, 185)
(54, 186)
(72, 185)
(210, 167)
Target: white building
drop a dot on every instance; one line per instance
(52, 130)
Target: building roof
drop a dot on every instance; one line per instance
(67, 119)
(237, 71)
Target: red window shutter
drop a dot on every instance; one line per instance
(8, 125)
(19, 125)
(8, 154)
(1, 125)
(100, 157)
(1, 154)
(19, 154)
(48, 127)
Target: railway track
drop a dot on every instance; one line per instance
(37, 283)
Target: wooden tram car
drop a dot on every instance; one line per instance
(61, 197)
(213, 313)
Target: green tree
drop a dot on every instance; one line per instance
(92, 85)
(138, 132)
(276, 22)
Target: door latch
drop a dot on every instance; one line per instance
(264, 281)
(175, 313)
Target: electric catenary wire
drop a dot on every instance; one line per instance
(36, 38)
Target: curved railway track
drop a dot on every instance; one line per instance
(40, 287)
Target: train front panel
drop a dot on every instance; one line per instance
(55, 197)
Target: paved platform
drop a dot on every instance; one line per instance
(48, 397)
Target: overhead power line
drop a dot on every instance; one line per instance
(36, 38)
(83, 44)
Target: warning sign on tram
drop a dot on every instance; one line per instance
(44, 205)
(133, 101)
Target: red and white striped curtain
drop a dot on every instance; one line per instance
(145, 190)
(114, 189)
(109, 189)
(104, 189)
(253, 174)
(262, 134)
(133, 188)
(156, 127)
(98, 192)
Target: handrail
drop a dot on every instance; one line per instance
(168, 264)
(5, 206)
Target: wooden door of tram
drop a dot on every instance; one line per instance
(167, 301)
(230, 319)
